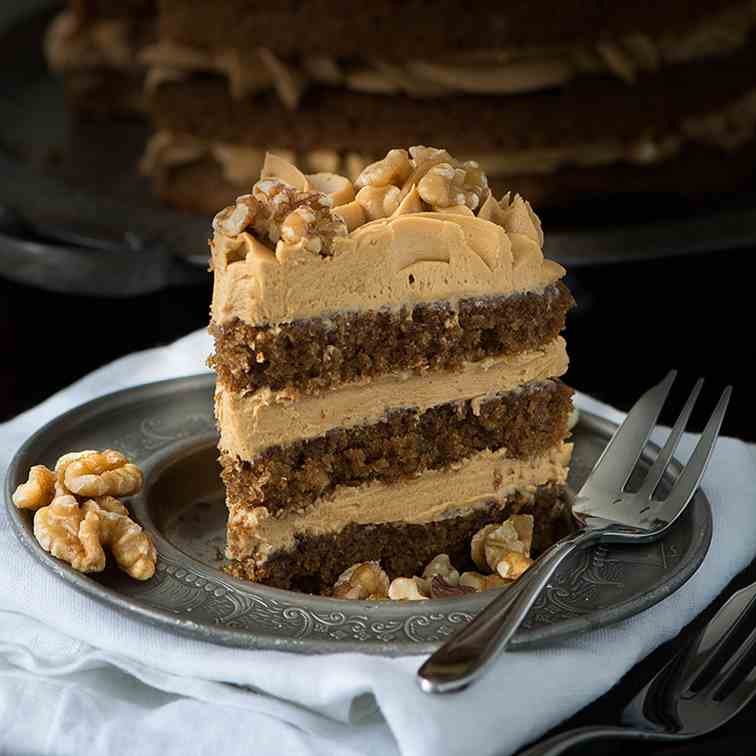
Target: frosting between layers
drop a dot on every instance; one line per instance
(498, 72)
(477, 482)
(251, 423)
(72, 46)
(240, 165)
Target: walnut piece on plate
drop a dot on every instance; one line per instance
(77, 515)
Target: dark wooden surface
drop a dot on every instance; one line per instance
(632, 324)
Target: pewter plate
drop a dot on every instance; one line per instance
(168, 428)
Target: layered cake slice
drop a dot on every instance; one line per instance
(388, 356)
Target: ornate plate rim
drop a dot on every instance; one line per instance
(214, 633)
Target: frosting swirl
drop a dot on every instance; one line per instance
(415, 254)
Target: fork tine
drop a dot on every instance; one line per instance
(720, 681)
(687, 482)
(719, 631)
(665, 455)
(618, 460)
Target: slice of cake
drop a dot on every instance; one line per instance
(389, 360)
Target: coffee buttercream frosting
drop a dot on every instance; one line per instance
(414, 227)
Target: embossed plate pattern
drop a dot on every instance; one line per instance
(168, 428)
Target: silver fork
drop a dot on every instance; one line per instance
(604, 512)
(700, 689)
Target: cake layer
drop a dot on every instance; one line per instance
(403, 548)
(250, 423)
(406, 442)
(473, 483)
(580, 119)
(93, 10)
(390, 29)
(497, 72)
(316, 354)
(411, 257)
(201, 184)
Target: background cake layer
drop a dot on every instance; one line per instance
(586, 114)
(395, 29)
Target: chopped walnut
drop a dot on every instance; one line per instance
(364, 580)
(477, 546)
(38, 491)
(105, 473)
(442, 181)
(512, 565)
(394, 169)
(235, 218)
(445, 186)
(507, 548)
(479, 582)
(312, 221)
(441, 565)
(405, 589)
(132, 548)
(524, 525)
(378, 201)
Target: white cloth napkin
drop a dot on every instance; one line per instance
(77, 677)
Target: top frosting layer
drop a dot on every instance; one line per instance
(421, 227)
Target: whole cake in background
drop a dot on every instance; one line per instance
(592, 103)
(388, 359)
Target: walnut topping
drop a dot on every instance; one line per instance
(441, 181)
(365, 580)
(38, 491)
(445, 182)
(294, 215)
(394, 169)
(236, 218)
(378, 201)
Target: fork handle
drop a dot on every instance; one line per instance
(564, 741)
(469, 652)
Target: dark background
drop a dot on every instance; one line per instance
(633, 322)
